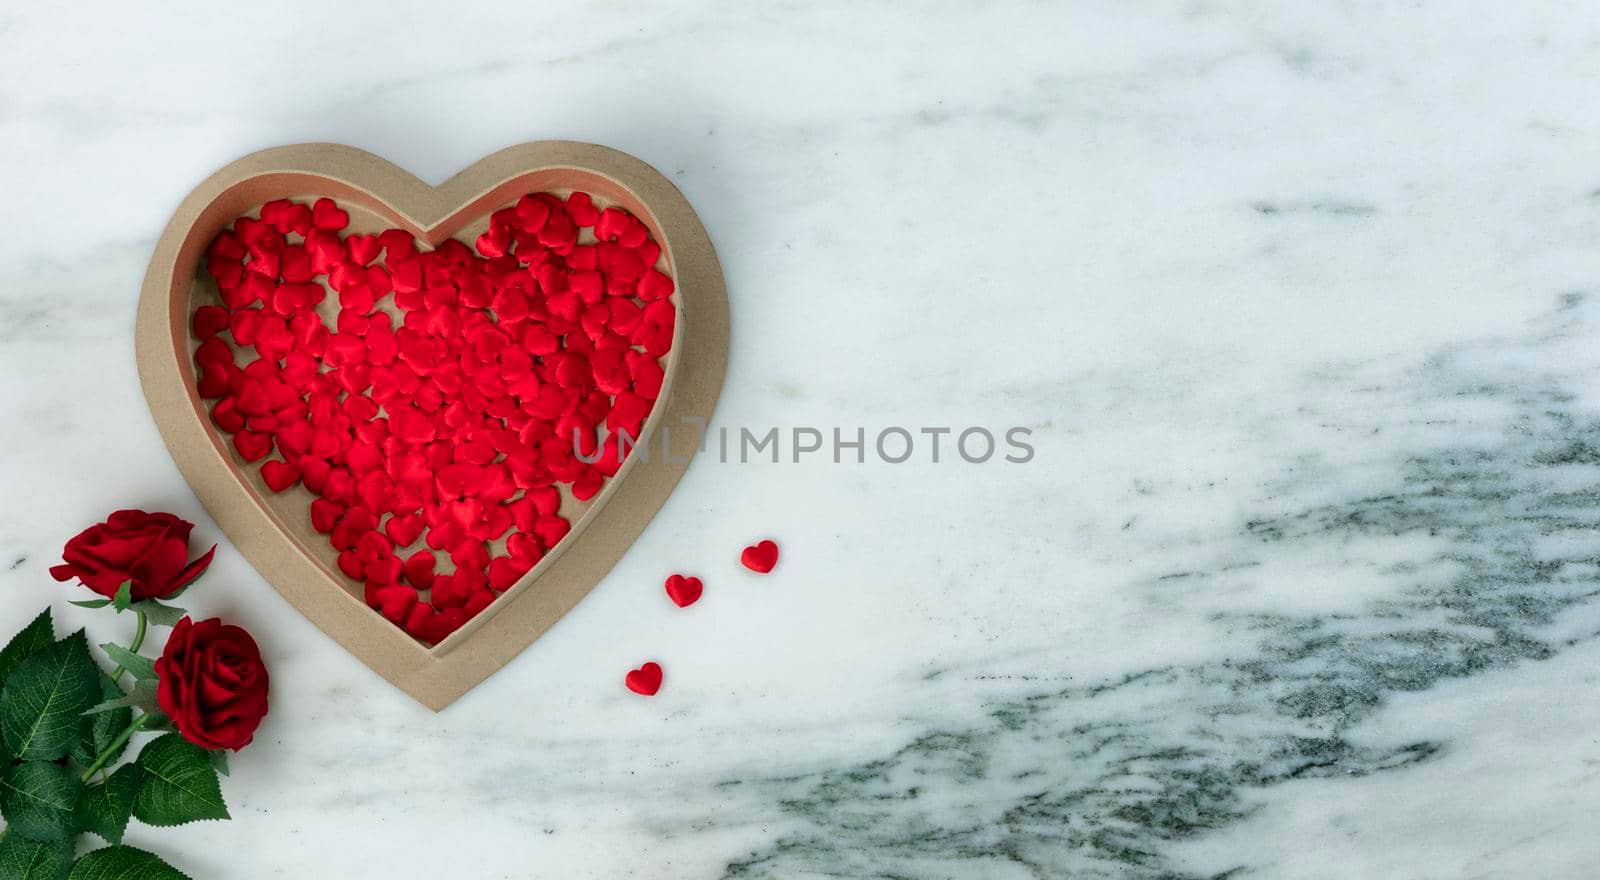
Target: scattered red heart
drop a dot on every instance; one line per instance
(645, 680)
(684, 591)
(760, 557)
(447, 414)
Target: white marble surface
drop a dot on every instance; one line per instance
(1296, 297)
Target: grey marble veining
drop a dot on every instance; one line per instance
(1494, 480)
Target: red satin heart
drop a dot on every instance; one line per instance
(645, 680)
(684, 591)
(279, 475)
(760, 558)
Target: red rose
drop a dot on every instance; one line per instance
(149, 549)
(212, 684)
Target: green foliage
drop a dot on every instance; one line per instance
(100, 730)
(43, 697)
(159, 614)
(39, 799)
(179, 785)
(23, 859)
(143, 696)
(35, 637)
(142, 667)
(123, 863)
(105, 808)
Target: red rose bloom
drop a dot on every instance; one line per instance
(212, 684)
(149, 549)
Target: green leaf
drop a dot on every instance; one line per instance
(219, 760)
(124, 863)
(105, 808)
(159, 614)
(38, 799)
(124, 597)
(99, 730)
(43, 698)
(158, 722)
(91, 603)
(142, 697)
(35, 637)
(179, 785)
(23, 859)
(142, 667)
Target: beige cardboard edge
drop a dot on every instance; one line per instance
(435, 676)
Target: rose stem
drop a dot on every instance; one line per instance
(122, 737)
(138, 641)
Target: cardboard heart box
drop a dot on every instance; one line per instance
(274, 530)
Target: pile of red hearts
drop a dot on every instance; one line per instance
(453, 394)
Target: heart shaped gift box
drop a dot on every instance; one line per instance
(274, 530)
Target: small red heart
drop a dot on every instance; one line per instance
(326, 214)
(645, 680)
(279, 475)
(684, 591)
(760, 558)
